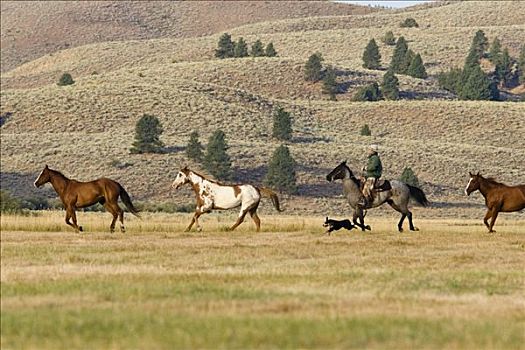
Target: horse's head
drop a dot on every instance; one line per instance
(339, 172)
(473, 183)
(44, 177)
(183, 177)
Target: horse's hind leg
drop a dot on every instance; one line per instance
(412, 227)
(404, 214)
(111, 208)
(121, 217)
(240, 219)
(255, 218)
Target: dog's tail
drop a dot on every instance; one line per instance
(268, 193)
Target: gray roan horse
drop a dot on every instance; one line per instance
(397, 196)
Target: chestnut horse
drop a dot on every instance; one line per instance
(75, 194)
(498, 197)
(211, 195)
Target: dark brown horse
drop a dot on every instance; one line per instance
(498, 197)
(75, 194)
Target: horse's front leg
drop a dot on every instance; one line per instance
(193, 220)
(70, 214)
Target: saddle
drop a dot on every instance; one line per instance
(380, 185)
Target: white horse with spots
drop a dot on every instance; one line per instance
(211, 195)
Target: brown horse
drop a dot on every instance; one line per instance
(498, 197)
(75, 194)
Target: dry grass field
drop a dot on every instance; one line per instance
(450, 285)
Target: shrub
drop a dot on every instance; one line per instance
(369, 92)
(389, 38)
(282, 125)
(409, 23)
(521, 65)
(313, 67)
(281, 171)
(365, 131)
(8, 203)
(217, 161)
(409, 177)
(371, 56)
(65, 79)
(147, 135)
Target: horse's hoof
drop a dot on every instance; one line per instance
(199, 229)
(414, 229)
(367, 227)
(80, 229)
(492, 231)
(400, 230)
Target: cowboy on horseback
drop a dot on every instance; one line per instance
(373, 171)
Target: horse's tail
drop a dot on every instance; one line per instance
(418, 196)
(266, 192)
(127, 201)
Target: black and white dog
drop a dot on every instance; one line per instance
(335, 225)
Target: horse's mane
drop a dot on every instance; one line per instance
(56, 172)
(493, 181)
(352, 176)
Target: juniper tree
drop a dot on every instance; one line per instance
(313, 68)
(65, 79)
(521, 65)
(390, 86)
(451, 80)
(371, 56)
(330, 83)
(147, 135)
(504, 68)
(409, 177)
(194, 147)
(216, 160)
(416, 68)
(495, 50)
(225, 46)
(257, 49)
(270, 50)
(281, 171)
(240, 49)
(282, 125)
(409, 23)
(479, 44)
(477, 85)
(399, 56)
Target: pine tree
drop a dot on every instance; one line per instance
(257, 49)
(371, 56)
(65, 79)
(477, 85)
(270, 50)
(521, 65)
(409, 177)
(194, 147)
(369, 92)
(330, 83)
(240, 49)
(416, 68)
(147, 135)
(399, 57)
(282, 125)
(389, 38)
(495, 50)
(365, 131)
(225, 46)
(504, 68)
(479, 44)
(312, 68)
(217, 161)
(281, 171)
(390, 86)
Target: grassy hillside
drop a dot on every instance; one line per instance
(31, 29)
(86, 129)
